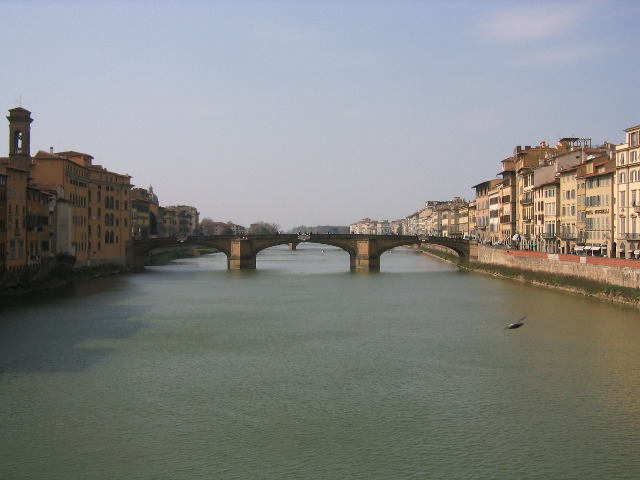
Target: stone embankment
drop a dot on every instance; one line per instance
(612, 271)
(608, 278)
(62, 271)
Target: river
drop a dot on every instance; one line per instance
(302, 369)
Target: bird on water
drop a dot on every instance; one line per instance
(517, 324)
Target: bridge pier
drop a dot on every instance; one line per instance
(241, 256)
(367, 256)
(133, 261)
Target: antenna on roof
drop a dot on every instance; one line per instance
(19, 100)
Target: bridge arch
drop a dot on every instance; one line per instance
(466, 249)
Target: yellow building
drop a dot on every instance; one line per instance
(526, 160)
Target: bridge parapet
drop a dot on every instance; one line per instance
(241, 251)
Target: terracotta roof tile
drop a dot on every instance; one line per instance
(49, 187)
(42, 155)
(71, 153)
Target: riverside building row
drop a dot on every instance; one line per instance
(568, 198)
(62, 204)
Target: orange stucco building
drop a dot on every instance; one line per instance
(99, 214)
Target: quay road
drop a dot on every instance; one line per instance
(241, 251)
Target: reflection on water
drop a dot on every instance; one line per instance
(302, 369)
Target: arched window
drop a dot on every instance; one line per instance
(17, 141)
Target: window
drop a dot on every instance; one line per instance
(633, 157)
(622, 178)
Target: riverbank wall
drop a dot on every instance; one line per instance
(615, 280)
(14, 277)
(612, 271)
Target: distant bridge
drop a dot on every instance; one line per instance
(241, 251)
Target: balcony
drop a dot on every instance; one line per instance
(568, 236)
(527, 199)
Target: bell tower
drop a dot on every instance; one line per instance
(19, 132)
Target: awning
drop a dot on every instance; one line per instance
(579, 248)
(596, 248)
(636, 252)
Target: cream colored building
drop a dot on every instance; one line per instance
(627, 193)
(507, 201)
(598, 179)
(547, 219)
(484, 192)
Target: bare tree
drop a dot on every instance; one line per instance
(207, 226)
(264, 228)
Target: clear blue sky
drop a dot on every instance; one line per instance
(316, 112)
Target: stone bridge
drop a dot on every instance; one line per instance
(241, 251)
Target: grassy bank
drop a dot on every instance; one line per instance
(561, 282)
